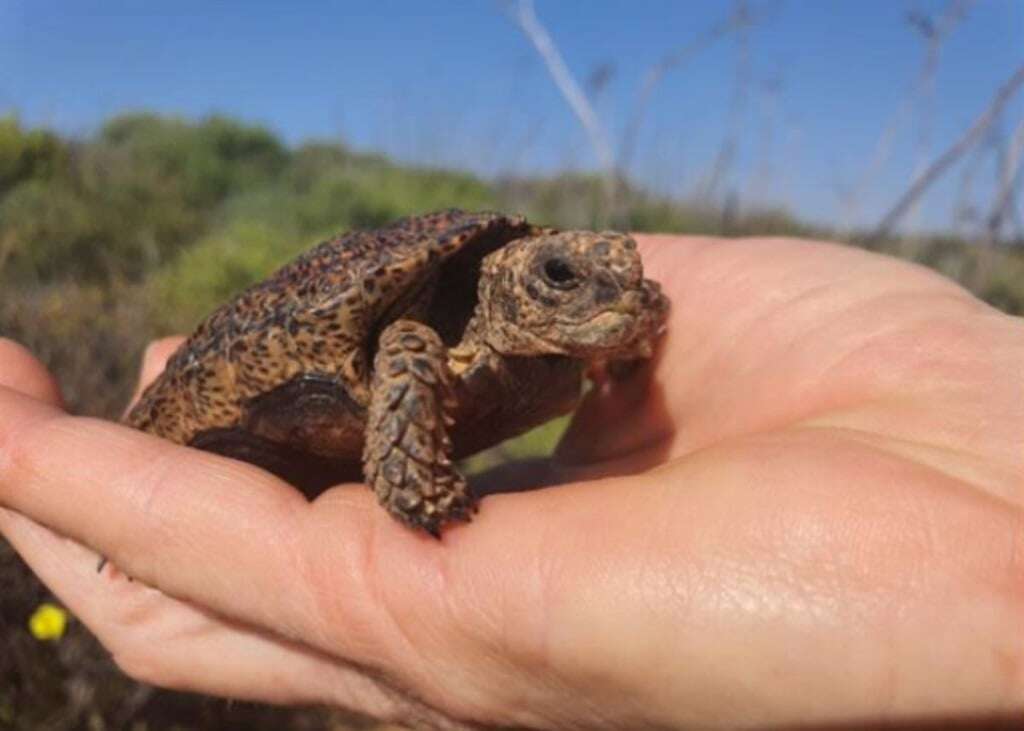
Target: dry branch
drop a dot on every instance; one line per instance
(523, 14)
(1009, 179)
(934, 171)
(965, 211)
(936, 35)
(920, 93)
(737, 106)
(740, 17)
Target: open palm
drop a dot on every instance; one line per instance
(809, 507)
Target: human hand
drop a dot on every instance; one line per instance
(811, 509)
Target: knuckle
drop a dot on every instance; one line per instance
(19, 449)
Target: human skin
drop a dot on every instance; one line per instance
(809, 508)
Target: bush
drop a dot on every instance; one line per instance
(211, 159)
(25, 155)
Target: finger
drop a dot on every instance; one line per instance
(159, 502)
(127, 476)
(21, 371)
(154, 360)
(221, 534)
(163, 641)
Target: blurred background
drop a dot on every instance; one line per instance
(155, 160)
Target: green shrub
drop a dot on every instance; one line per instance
(101, 221)
(25, 155)
(211, 159)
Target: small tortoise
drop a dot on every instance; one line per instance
(404, 348)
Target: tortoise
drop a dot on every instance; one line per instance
(391, 353)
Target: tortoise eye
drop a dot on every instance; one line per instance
(560, 274)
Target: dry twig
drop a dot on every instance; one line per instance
(1009, 179)
(965, 211)
(939, 166)
(920, 92)
(740, 17)
(935, 34)
(523, 14)
(737, 105)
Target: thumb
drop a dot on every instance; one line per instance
(154, 360)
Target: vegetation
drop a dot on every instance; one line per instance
(140, 229)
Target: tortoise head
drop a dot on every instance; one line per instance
(576, 293)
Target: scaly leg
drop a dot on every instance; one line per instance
(407, 455)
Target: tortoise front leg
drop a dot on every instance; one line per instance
(406, 459)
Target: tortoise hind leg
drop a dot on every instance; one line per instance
(406, 459)
(307, 431)
(310, 473)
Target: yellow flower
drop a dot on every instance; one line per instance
(48, 622)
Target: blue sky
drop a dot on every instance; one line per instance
(454, 82)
